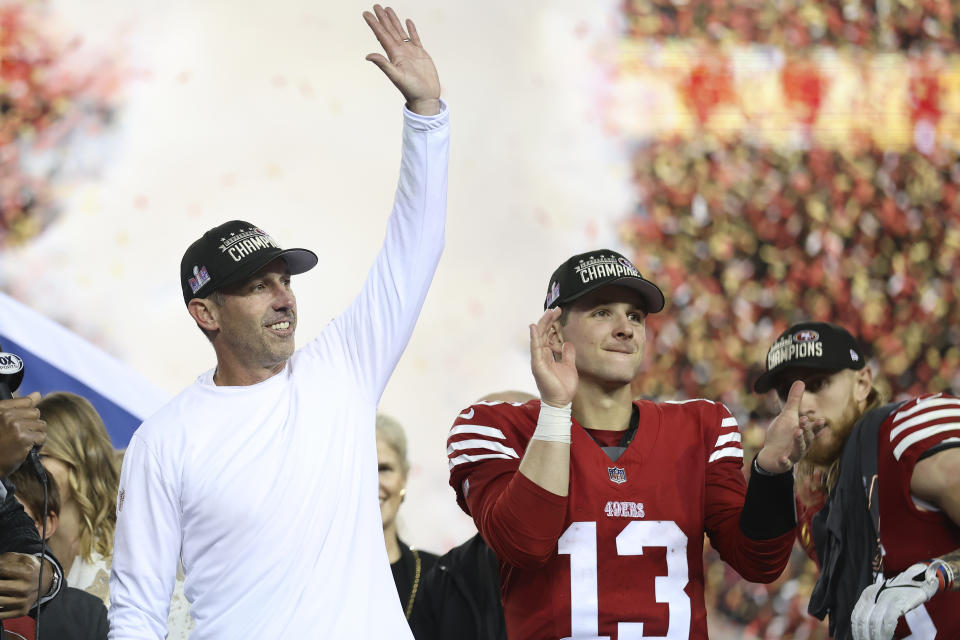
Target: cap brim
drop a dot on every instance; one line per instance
(298, 261)
(652, 296)
(768, 380)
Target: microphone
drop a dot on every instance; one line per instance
(11, 375)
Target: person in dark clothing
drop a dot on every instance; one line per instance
(407, 563)
(460, 596)
(76, 614)
(21, 555)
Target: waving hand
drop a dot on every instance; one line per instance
(556, 378)
(407, 63)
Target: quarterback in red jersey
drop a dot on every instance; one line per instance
(913, 487)
(597, 505)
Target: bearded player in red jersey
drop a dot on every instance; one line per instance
(894, 467)
(596, 505)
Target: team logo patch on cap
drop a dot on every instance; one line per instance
(854, 356)
(200, 278)
(617, 475)
(553, 294)
(807, 335)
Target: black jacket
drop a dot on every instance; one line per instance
(460, 596)
(17, 531)
(19, 534)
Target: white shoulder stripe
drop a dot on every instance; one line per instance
(686, 401)
(468, 458)
(459, 445)
(925, 404)
(728, 437)
(729, 452)
(491, 432)
(920, 434)
(924, 418)
(729, 422)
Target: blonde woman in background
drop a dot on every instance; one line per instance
(407, 563)
(81, 458)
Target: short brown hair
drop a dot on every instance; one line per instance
(29, 490)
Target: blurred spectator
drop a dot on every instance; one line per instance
(460, 595)
(76, 614)
(408, 564)
(84, 464)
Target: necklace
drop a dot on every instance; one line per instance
(416, 583)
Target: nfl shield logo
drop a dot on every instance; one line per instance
(617, 475)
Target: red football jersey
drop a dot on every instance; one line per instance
(629, 560)
(911, 531)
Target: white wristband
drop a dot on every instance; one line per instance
(554, 423)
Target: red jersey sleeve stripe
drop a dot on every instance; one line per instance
(924, 418)
(926, 403)
(459, 445)
(729, 452)
(728, 437)
(923, 434)
(469, 458)
(491, 432)
(729, 422)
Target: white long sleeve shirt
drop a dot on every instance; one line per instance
(268, 493)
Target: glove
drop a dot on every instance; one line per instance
(883, 603)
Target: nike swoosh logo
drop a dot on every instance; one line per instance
(467, 415)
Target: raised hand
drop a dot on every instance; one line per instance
(789, 435)
(20, 429)
(407, 64)
(556, 378)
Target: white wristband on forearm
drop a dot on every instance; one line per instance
(554, 423)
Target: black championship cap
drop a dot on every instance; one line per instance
(589, 271)
(810, 345)
(232, 253)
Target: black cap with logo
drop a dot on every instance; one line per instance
(589, 271)
(231, 253)
(810, 345)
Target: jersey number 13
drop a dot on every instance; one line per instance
(579, 541)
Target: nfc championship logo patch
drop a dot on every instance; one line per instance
(617, 475)
(805, 343)
(240, 245)
(604, 266)
(200, 278)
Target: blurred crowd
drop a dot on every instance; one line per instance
(46, 104)
(749, 238)
(792, 24)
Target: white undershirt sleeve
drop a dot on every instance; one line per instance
(146, 548)
(378, 324)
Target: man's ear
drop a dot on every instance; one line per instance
(555, 337)
(53, 521)
(205, 313)
(862, 384)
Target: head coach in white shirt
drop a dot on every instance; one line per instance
(261, 477)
